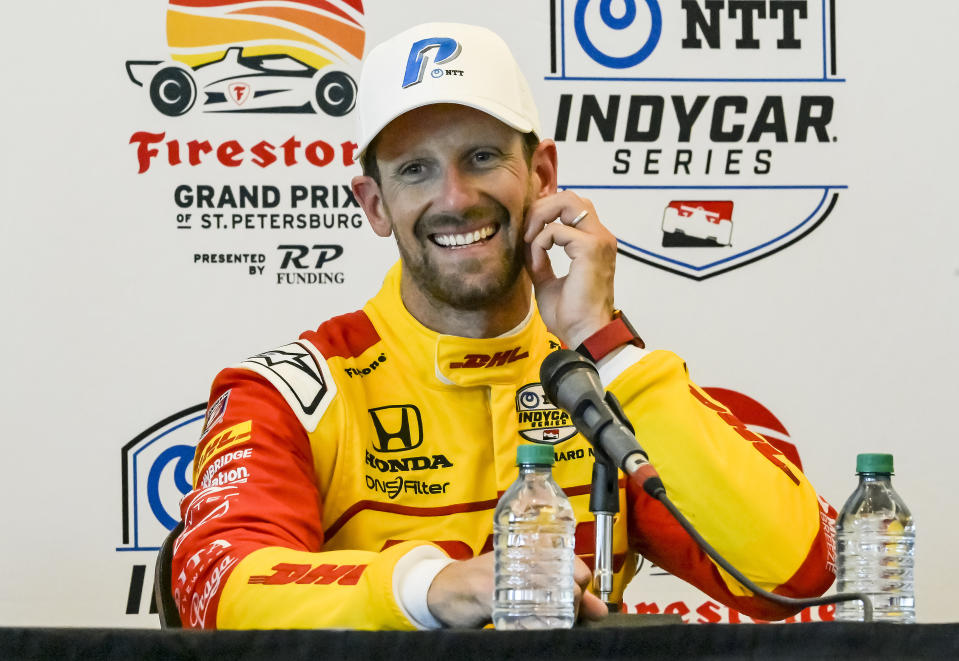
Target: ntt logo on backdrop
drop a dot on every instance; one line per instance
(625, 20)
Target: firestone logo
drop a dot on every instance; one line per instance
(238, 57)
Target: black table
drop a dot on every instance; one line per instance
(719, 641)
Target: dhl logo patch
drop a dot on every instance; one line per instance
(285, 573)
(226, 439)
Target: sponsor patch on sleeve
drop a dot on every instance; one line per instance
(227, 439)
(300, 373)
(215, 412)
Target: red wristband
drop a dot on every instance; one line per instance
(611, 336)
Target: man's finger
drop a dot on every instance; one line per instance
(538, 263)
(592, 607)
(565, 207)
(581, 573)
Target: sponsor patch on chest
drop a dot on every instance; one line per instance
(538, 420)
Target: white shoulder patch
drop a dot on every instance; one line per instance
(300, 373)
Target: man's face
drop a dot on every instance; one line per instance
(455, 187)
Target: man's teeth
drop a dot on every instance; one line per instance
(464, 239)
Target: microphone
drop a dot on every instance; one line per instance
(572, 383)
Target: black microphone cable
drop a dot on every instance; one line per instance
(658, 491)
(598, 415)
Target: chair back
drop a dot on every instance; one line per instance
(163, 582)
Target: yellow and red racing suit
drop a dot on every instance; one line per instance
(332, 465)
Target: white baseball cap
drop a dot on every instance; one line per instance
(443, 63)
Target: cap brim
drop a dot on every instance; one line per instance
(488, 106)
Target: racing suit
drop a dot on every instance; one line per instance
(331, 467)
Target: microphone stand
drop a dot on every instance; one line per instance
(604, 504)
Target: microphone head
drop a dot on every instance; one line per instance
(556, 366)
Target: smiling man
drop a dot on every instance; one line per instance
(348, 479)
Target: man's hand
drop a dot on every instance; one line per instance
(461, 595)
(578, 304)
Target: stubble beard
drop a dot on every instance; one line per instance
(463, 293)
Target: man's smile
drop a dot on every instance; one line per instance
(461, 240)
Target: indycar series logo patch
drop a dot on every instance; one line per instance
(538, 419)
(676, 113)
(231, 56)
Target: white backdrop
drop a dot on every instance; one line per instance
(844, 328)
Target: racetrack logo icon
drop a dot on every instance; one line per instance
(398, 428)
(276, 59)
(446, 50)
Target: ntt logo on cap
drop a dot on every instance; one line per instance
(398, 74)
(446, 50)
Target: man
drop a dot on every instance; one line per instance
(349, 479)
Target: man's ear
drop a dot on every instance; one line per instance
(543, 165)
(367, 192)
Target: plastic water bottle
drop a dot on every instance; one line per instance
(533, 540)
(876, 538)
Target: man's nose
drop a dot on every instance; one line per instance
(458, 190)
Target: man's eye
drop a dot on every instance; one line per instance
(411, 170)
(483, 156)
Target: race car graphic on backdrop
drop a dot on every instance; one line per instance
(246, 56)
(698, 223)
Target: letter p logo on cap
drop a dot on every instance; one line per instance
(446, 50)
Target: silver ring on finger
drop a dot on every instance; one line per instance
(582, 214)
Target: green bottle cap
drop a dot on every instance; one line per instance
(541, 455)
(874, 463)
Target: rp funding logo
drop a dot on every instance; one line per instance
(242, 56)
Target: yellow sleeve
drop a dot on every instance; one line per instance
(739, 491)
(274, 588)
